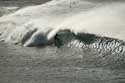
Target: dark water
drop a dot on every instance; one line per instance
(21, 3)
(70, 63)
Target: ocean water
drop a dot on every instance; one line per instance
(63, 62)
(72, 58)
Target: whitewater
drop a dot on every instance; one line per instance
(38, 25)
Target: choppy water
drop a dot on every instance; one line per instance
(62, 63)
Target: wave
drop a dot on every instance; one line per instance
(29, 25)
(84, 40)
